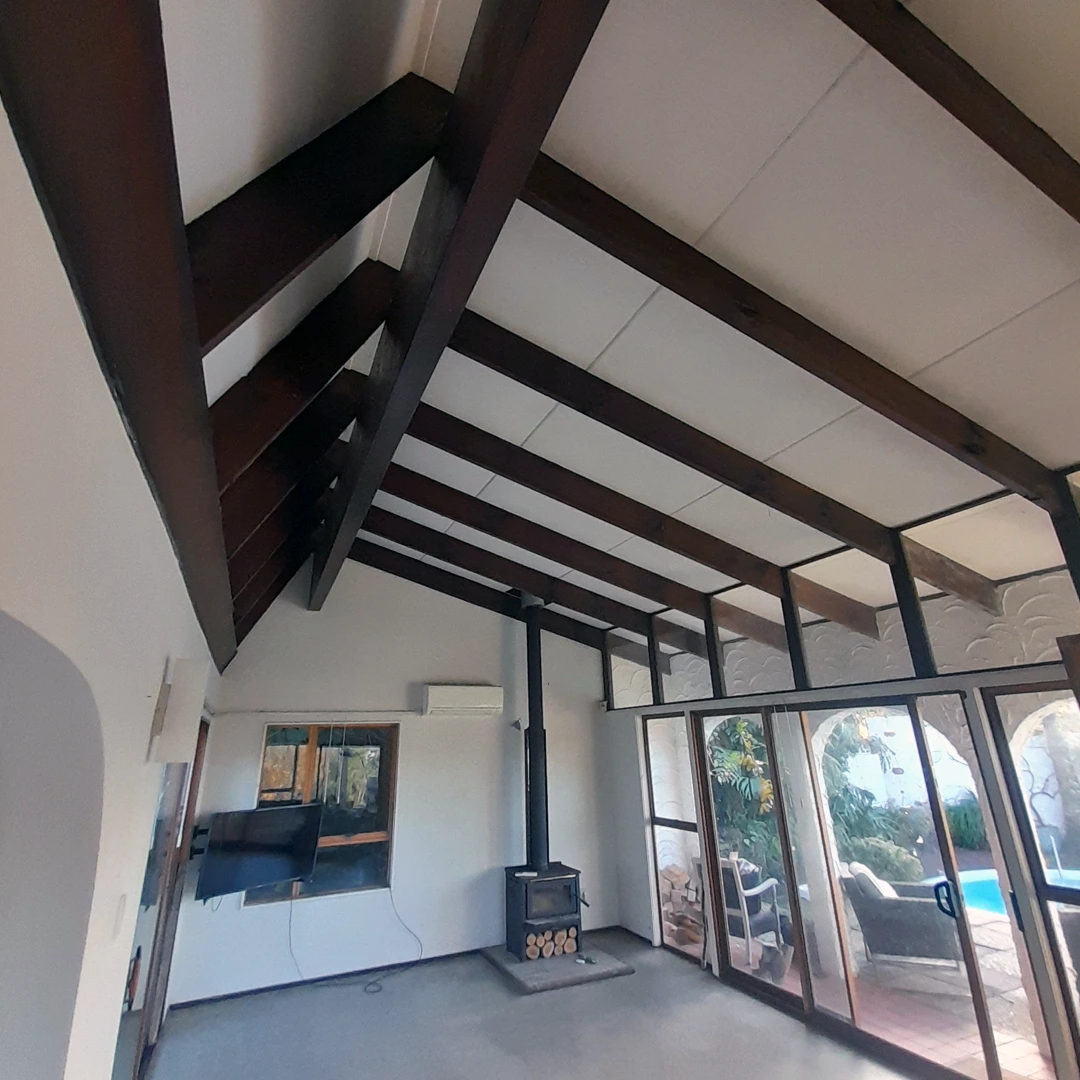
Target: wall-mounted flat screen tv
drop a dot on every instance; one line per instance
(248, 848)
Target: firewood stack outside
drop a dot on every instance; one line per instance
(551, 943)
(681, 907)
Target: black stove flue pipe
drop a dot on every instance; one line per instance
(538, 853)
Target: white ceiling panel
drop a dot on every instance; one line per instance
(1028, 51)
(362, 359)
(700, 370)
(752, 525)
(870, 464)
(554, 515)
(676, 105)
(999, 539)
(887, 222)
(671, 564)
(441, 466)
(507, 551)
(1022, 380)
(577, 616)
(485, 398)
(858, 575)
(592, 449)
(555, 289)
(445, 35)
(412, 512)
(613, 591)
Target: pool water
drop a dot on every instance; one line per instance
(981, 889)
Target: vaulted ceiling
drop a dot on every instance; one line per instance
(788, 283)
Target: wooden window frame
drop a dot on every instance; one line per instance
(305, 776)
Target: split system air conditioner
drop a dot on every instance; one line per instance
(462, 700)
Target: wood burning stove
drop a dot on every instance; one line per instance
(543, 899)
(543, 911)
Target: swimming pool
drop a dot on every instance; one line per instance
(981, 888)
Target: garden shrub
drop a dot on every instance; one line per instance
(888, 860)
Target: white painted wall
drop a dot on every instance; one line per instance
(459, 814)
(86, 564)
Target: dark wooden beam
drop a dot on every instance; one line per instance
(265, 485)
(255, 410)
(680, 638)
(538, 474)
(951, 577)
(248, 247)
(953, 83)
(578, 389)
(282, 563)
(493, 520)
(836, 607)
(472, 592)
(520, 60)
(1066, 522)
(749, 625)
(551, 590)
(287, 569)
(88, 99)
(597, 217)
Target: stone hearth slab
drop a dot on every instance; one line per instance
(535, 976)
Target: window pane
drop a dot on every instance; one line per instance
(669, 768)
(1043, 730)
(684, 660)
(752, 874)
(284, 761)
(348, 785)
(347, 867)
(816, 889)
(678, 868)
(631, 683)
(1065, 919)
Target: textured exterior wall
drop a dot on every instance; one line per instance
(1035, 612)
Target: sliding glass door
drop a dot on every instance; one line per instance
(860, 867)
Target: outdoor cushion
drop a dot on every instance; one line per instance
(871, 885)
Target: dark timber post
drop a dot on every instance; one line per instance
(793, 630)
(654, 664)
(712, 647)
(1066, 521)
(911, 612)
(536, 738)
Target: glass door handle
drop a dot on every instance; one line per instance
(943, 896)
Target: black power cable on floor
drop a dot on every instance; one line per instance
(375, 985)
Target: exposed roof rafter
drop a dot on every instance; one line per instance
(472, 592)
(914, 49)
(591, 213)
(521, 58)
(252, 244)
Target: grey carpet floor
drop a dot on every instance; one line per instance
(456, 1019)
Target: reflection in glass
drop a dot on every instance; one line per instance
(753, 877)
(1043, 732)
(910, 984)
(816, 898)
(669, 769)
(678, 871)
(1065, 920)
